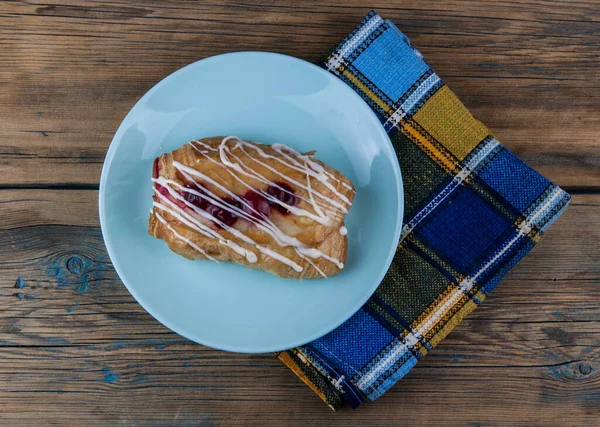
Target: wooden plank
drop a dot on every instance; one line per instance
(73, 69)
(178, 386)
(27, 207)
(73, 338)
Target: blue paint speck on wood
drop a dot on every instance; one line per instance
(52, 271)
(76, 271)
(82, 287)
(69, 310)
(557, 370)
(585, 369)
(56, 340)
(109, 376)
(160, 346)
(457, 358)
(20, 283)
(20, 296)
(186, 365)
(117, 345)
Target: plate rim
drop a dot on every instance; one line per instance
(391, 153)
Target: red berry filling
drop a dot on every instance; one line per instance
(195, 199)
(226, 217)
(259, 205)
(285, 194)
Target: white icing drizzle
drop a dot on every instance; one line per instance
(206, 215)
(223, 148)
(281, 148)
(265, 224)
(204, 145)
(310, 167)
(311, 263)
(301, 163)
(185, 239)
(312, 199)
(315, 253)
(193, 223)
(343, 230)
(279, 258)
(280, 238)
(296, 211)
(330, 210)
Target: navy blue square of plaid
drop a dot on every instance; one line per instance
(353, 344)
(463, 227)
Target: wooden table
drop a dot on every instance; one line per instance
(75, 348)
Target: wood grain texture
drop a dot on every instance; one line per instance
(72, 70)
(75, 347)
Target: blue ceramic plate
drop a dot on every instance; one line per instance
(267, 98)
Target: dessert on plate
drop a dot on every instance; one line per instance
(266, 207)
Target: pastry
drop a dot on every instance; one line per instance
(266, 207)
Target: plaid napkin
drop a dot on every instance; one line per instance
(472, 210)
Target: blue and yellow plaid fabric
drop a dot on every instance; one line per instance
(472, 210)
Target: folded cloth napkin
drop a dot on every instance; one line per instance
(472, 210)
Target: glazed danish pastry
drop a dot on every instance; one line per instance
(266, 207)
